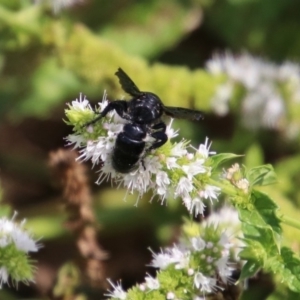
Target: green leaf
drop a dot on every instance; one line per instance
(290, 269)
(262, 175)
(249, 269)
(263, 213)
(260, 225)
(223, 157)
(266, 208)
(253, 251)
(262, 249)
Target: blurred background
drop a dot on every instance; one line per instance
(237, 60)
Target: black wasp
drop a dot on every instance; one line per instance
(144, 112)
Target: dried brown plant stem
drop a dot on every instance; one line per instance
(81, 220)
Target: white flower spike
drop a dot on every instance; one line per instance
(170, 171)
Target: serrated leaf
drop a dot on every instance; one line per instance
(251, 217)
(259, 248)
(266, 208)
(262, 175)
(248, 230)
(223, 157)
(263, 214)
(261, 223)
(291, 268)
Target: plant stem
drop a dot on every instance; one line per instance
(226, 188)
(289, 221)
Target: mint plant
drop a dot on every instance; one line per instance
(203, 261)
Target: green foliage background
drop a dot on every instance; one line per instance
(47, 59)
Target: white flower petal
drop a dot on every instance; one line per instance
(204, 283)
(3, 276)
(152, 283)
(117, 293)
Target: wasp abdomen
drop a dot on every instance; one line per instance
(129, 148)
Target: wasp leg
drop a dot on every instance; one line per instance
(160, 126)
(143, 164)
(160, 139)
(120, 106)
(159, 135)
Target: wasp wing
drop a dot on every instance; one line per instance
(183, 113)
(127, 84)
